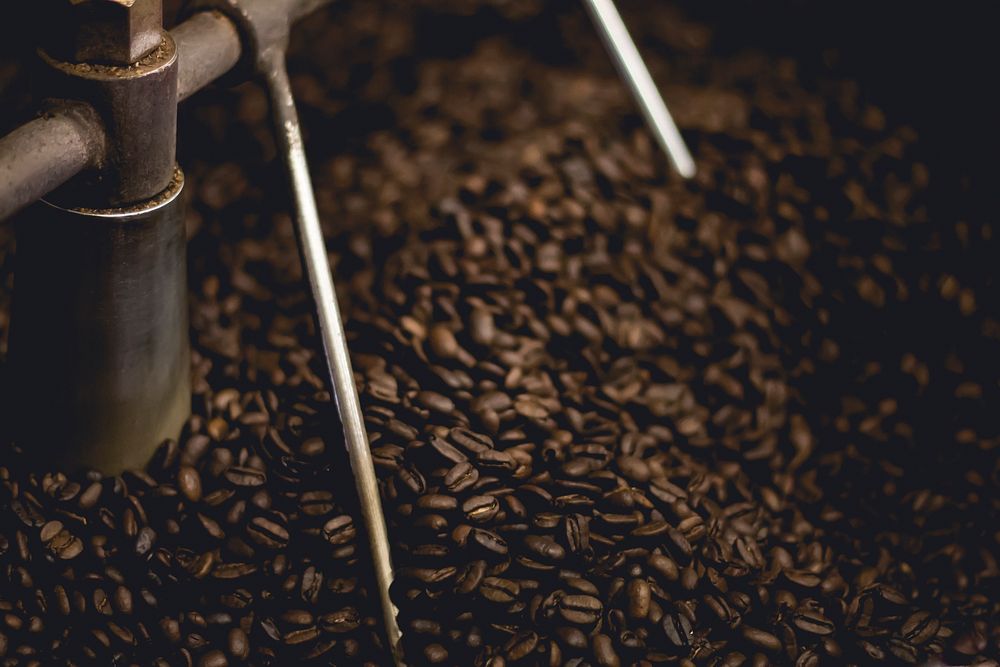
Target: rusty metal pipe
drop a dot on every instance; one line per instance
(41, 155)
(208, 46)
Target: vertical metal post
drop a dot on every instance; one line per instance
(99, 342)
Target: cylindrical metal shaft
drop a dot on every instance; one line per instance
(39, 156)
(99, 347)
(633, 70)
(208, 46)
(331, 326)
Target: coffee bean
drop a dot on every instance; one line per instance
(580, 609)
(342, 621)
(213, 659)
(339, 530)
(189, 483)
(761, 638)
(461, 477)
(496, 589)
(812, 622)
(544, 547)
(638, 599)
(481, 509)
(435, 654)
(245, 477)
(604, 651)
(267, 533)
(521, 645)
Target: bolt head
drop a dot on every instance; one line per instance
(113, 32)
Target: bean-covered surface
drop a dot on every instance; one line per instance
(617, 418)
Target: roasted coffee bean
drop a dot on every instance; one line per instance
(339, 530)
(920, 627)
(189, 483)
(638, 599)
(496, 589)
(495, 461)
(437, 502)
(461, 477)
(489, 540)
(578, 533)
(580, 609)
(481, 509)
(267, 533)
(245, 477)
(521, 645)
(761, 639)
(342, 621)
(470, 577)
(316, 503)
(677, 628)
(812, 622)
(604, 651)
(545, 548)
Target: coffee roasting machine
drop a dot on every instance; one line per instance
(99, 329)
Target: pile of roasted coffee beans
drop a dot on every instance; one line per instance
(618, 419)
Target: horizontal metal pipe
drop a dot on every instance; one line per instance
(41, 155)
(208, 46)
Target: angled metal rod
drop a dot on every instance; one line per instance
(272, 64)
(633, 70)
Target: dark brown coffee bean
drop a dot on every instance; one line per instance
(470, 441)
(580, 609)
(470, 577)
(812, 622)
(189, 483)
(678, 630)
(638, 599)
(213, 659)
(437, 502)
(339, 530)
(544, 547)
(761, 639)
(342, 621)
(578, 533)
(495, 461)
(604, 651)
(521, 645)
(245, 477)
(496, 589)
(461, 477)
(267, 533)
(489, 540)
(481, 509)
(316, 503)
(920, 627)
(238, 644)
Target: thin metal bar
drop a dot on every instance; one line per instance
(272, 64)
(41, 155)
(633, 69)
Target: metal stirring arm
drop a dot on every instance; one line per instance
(331, 329)
(633, 71)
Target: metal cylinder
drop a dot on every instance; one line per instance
(99, 348)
